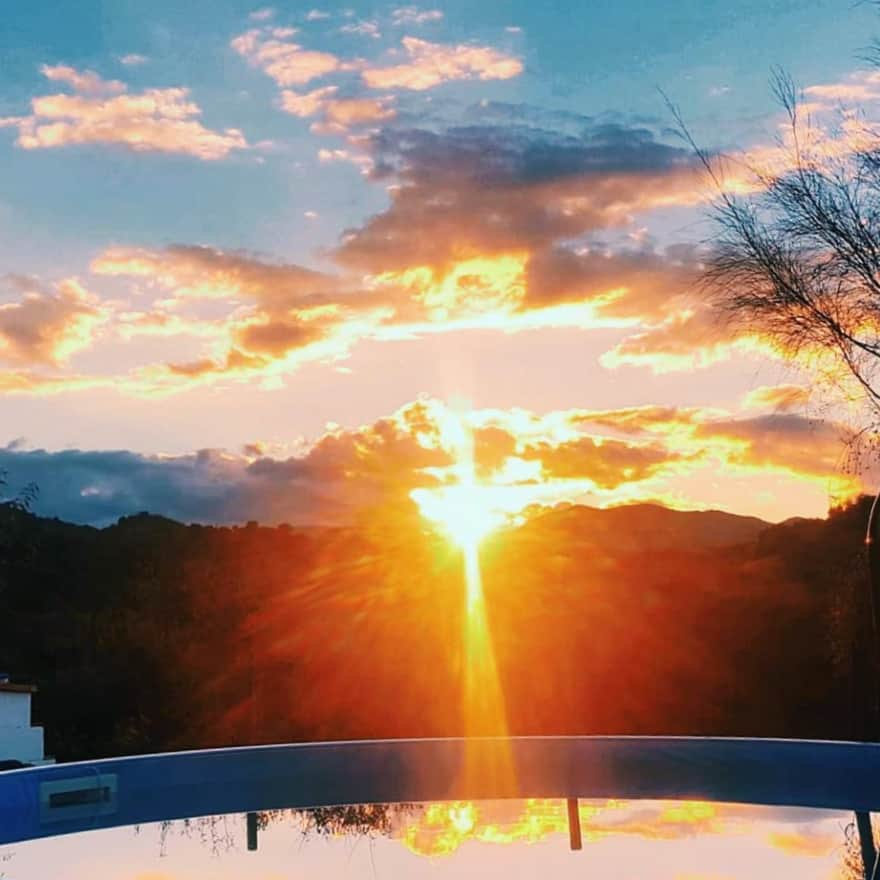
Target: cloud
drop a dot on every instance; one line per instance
(133, 59)
(48, 326)
(307, 103)
(338, 115)
(275, 314)
(605, 463)
(316, 15)
(780, 398)
(341, 471)
(523, 459)
(362, 29)
(263, 14)
(810, 843)
(690, 339)
(103, 112)
(412, 15)
(488, 189)
(35, 383)
(807, 447)
(631, 284)
(860, 87)
(87, 82)
(196, 272)
(358, 159)
(343, 114)
(288, 63)
(475, 237)
(780, 442)
(431, 64)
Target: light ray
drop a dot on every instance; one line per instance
(466, 513)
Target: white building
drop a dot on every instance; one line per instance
(18, 740)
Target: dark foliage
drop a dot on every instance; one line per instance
(151, 635)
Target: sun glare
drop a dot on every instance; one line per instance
(466, 509)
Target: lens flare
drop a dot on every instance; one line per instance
(465, 510)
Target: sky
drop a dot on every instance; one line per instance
(267, 261)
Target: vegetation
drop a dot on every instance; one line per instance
(152, 635)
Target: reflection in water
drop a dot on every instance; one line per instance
(650, 840)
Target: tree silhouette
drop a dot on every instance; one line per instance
(797, 257)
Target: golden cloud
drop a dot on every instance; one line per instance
(524, 463)
(338, 115)
(87, 82)
(103, 112)
(48, 326)
(780, 398)
(431, 64)
(288, 63)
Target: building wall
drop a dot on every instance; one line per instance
(15, 709)
(23, 744)
(18, 740)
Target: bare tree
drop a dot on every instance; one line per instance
(796, 258)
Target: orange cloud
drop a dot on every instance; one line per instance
(431, 64)
(39, 384)
(632, 284)
(688, 339)
(780, 398)
(288, 63)
(439, 829)
(87, 82)
(860, 87)
(273, 309)
(409, 462)
(817, 845)
(157, 120)
(805, 447)
(338, 115)
(48, 326)
(308, 103)
(276, 315)
(195, 272)
(606, 463)
(344, 113)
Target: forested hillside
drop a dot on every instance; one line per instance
(152, 635)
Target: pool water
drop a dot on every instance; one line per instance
(516, 838)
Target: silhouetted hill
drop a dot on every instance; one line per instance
(649, 527)
(150, 634)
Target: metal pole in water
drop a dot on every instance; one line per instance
(863, 819)
(574, 824)
(872, 547)
(866, 843)
(252, 832)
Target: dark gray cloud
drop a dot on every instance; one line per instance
(342, 473)
(647, 282)
(99, 487)
(489, 188)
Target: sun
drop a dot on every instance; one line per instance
(466, 508)
(465, 511)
